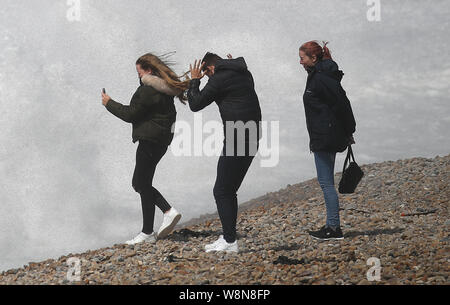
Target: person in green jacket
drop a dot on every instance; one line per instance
(152, 114)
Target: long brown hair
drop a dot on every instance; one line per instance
(161, 69)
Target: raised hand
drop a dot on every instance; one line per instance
(105, 99)
(196, 71)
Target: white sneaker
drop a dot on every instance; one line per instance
(142, 237)
(171, 218)
(222, 245)
(214, 244)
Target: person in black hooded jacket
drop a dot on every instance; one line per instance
(330, 123)
(231, 86)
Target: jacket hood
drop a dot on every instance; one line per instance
(160, 85)
(330, 68)
(237, 64)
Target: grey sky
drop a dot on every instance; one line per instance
(67, 163)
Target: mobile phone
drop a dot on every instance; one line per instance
(104, 91)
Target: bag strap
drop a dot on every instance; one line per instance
(351, 153)
(347, 159)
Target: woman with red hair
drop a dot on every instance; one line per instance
(330, 124)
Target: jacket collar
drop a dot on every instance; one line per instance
(160, 85)
(237, 64)
(328, 67)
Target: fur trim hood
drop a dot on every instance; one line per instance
(160, 85)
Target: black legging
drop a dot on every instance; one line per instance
(231, 171)
(148, 154)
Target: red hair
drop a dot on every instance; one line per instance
(313, 48)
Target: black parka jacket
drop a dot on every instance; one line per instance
(232, 88)
(329, 116)
(151, 112)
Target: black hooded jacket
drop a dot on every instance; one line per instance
(232, 88)
(329, 115)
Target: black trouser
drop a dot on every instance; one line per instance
(148, 154)
(231, 171)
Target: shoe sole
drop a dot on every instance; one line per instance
(170, 227)
(141, 242)
(209, 250)
(325, 239)
(227, 251)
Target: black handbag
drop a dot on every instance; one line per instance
(351, 176)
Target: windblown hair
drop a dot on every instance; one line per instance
(161, 69)
(313, 48)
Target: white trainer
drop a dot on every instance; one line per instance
(214, 244)
(222, 245)
(142, 237)
(171, 218)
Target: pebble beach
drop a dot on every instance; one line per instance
(398, 217)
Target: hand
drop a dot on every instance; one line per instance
(229, 56)
(105, 99)
(196, 72)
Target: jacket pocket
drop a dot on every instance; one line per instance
(322, 127)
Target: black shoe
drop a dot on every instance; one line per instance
(327, 233)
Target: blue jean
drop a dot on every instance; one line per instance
(325, 174)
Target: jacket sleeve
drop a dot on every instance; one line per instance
(200, 99)
(141, 103)
(336, 98)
